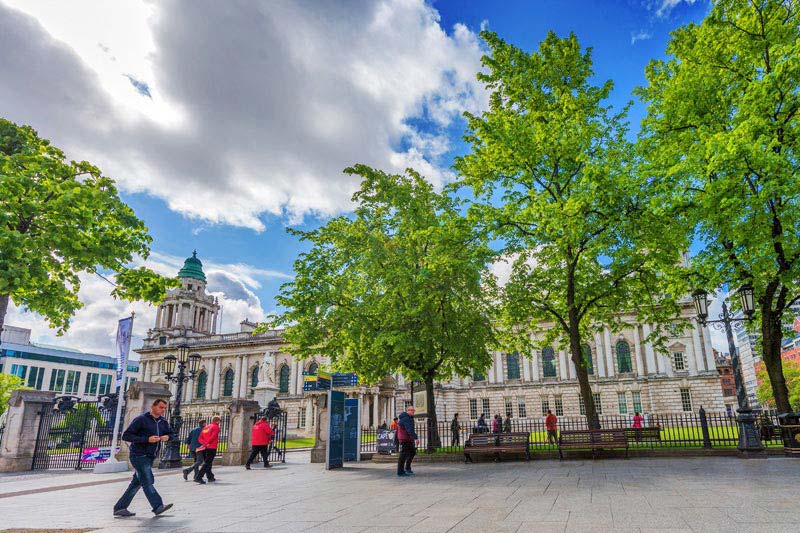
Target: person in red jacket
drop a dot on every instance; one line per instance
(209, 440)
(262, 434)
(551, 424)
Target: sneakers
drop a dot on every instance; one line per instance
(402, 474)
(212, 480)
(124, 513)
(162, 509)
(247, 466)
(199, 481)
(267, 465)
(186, 475)
(409, 472)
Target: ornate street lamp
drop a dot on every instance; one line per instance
(749, 439)
(171, 458)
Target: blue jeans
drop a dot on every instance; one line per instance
(142, 478)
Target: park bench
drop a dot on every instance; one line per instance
(592, 439)
(649, 434)
(497, 443)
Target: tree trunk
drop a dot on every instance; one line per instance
(592, 420)
(432, 426)
(771, 336)
(3, 309)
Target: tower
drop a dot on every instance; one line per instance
(187, 310)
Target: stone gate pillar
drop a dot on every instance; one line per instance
(138, 399)
(239, 432)
(320, 449)
(22, 427)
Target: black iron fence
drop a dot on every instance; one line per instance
(191, 421)
(679, 430)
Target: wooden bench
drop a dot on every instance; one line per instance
(592, 439)
(648, 434)
(497, 443)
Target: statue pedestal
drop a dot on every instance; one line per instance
(263, 393)
(320, 450)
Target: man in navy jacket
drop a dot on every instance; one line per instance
(146, 433)
(407, 437)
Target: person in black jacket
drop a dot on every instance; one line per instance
(408, 438)
(193, 443)
(146, 433)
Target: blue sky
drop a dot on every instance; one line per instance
(221, 136)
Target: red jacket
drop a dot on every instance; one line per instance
(209, 437)
(262, 434)
(550, 422)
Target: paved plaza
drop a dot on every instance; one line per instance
(695, 494)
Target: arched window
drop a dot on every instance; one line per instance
(227, 383)
(254, 377)
(312, 368)
(548, 362)
(512, 365)
(202, 379)
(587, 359)
(624, 357)
(284, 379)
(478, 376)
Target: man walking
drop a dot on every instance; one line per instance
(551, 423)
(455, 430)
(209, 440)
(145, 433)
(193, 441)
(407, 438)
(262, 433)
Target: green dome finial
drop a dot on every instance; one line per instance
(192, 268)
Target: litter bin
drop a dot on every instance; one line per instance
(790, 431)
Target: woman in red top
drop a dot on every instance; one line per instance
(551, 424)
(262, 434)
(209, 440)
(637, 420)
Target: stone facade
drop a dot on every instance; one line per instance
(629, 373)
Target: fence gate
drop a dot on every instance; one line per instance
(278, 420)
(73, 434)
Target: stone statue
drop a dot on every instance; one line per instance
(268, 370)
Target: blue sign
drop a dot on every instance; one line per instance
(351, 429)
(345, 380)
(335, 458)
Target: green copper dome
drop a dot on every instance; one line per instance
(192, 268)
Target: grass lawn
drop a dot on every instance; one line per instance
(303, 442)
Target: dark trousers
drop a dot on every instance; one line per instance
(263, 450)
(552, 436)
(142, 479)
(456, 438)
(407, 453)
(208, 460)
(198, 460)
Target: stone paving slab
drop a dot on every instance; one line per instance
(676, 494)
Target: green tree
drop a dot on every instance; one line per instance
(59, 218)
(8, 384)
(402, 286)
(554, 179)
(791, 373)
(721, 141)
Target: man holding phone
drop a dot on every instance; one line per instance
(145, 435)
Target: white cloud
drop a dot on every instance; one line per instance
(665, 7)
(255, 107)
(641, 35)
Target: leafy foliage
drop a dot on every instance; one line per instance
(791, 372)
(8, 384)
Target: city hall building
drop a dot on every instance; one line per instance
(627, 373)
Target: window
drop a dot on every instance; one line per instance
(477, 376)
(623, 403)
(581, 405)
(301, 418)
(35, 377)
(105, 384)
(19, 370)
(522, 412)
(559, 404)
(57, 380)
(624, 357)
(473, 408)
(283, 385)
(636, 396)
(587, 359)
(485, 402)
(679, 360)
(227, 383)
(73, 379)
(509, 406)
(545, 406)
(91, 383)
(686, 400)
(548, 362)
(598, 405)
(512, 365)
(202, 380)
(254, 377)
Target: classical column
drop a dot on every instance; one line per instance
(237, 376)
(309, 413)
(711, 364)
(637, 349)
(535, 365)
(376, 411)
(666, 366)
(609, 352)
(245, 378)
(491, 376)
(293, 377)
(189, 387)
(215, 381)
(652, 366)
(698, 350)
(526, 369)
(498, 366)
(562, 365)
(209, 377)
(601, 356)
(299, 390)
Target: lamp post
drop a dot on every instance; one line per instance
(749, 439)
(171, 458)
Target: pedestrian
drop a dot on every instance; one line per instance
(551, 423)
(209, 440)
(145, 435)
(507, 424)
(259, 440)
(637, 426)
(384, 425)
(394, 423)
(481, 425)
(496, 424)
(273, 408)
(455, 430)
(394, 428)
(197, 458)
(408, 438)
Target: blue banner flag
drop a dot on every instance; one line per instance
(124, 330)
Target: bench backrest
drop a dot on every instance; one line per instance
(591, 436)
(503, 439)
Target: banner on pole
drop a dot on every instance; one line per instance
(124, 331)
